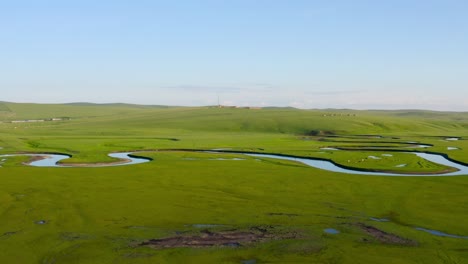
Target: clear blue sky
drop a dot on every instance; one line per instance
(308, 54)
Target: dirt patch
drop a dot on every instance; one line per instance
(7, 234)
(282, 214)
(227, 238)
(70, 236)
(319, 133)
(384, 237)
(35, 158)
(98, 164)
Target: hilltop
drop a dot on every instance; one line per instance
(266, 120)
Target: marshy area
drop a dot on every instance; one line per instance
(207, 191)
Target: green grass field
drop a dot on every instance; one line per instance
(101, 215)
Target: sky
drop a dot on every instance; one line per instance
(399, 54)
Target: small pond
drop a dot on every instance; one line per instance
(331, 231)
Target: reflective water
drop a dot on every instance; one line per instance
(439, 233)
(420, 146)
(330, 166)
(49, 160)
(430, 231)
(327, 148)
(331, 231)
(379, 219)
(52, 159)
(127, 156)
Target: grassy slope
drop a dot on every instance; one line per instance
(94, 214)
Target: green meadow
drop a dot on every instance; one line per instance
(104, 215)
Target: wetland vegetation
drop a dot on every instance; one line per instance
(221, 206)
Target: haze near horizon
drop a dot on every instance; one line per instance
(304, 54)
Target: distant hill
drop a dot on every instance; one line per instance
(4, 107)
(284, 120)
(118, 105)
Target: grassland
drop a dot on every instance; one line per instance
(100, 215)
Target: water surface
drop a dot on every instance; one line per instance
(331, 231)
(330, 166)
(439, 233)
(51, 160)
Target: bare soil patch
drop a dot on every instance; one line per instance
(35, 158)
(384, 237)
(227, 238)
(10, 233)
(98, 164)
(282, 214)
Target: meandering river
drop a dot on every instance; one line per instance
(330, 166)
(126, 158)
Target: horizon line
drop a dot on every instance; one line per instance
(237, 106)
